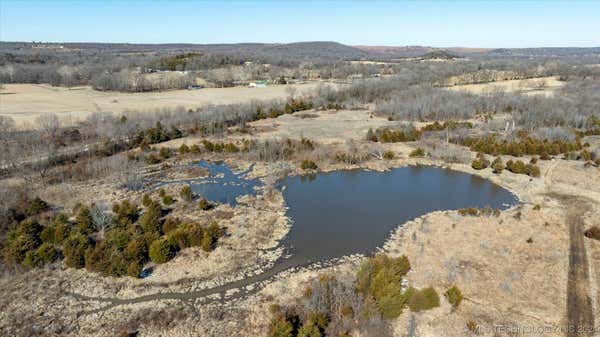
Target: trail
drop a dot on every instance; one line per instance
(189, 297)
(580, 314)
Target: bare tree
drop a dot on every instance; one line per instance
(101, 218)
(49, 124)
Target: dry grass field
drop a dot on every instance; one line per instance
(24, 102)
(533, 86)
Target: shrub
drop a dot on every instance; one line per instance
(497, 165)
(47, 253)
(168, 200)
(32, 260)
(523, 146)
(161, 251)
(309, 330)
(58, 231)
(387, 135)
(471, 211)
(179, 238)
(165, 153)
(137, 250)
(134, 269)
(74, 250)
(280, 327)
(480, 162)
(98, 258)
(424, 299)
(537, 207)
(418, 152)
(84, 221)
(308, 165)
(170, 224)
(204, 204)
(195, 149)
(37, 206)
(146, 200)
(194, 234)
(371, 135)
(472, 326)
(314, 326)
(519, 167)
(592, 233)
(389, 155)
(585, 155)
(532, 170)
(380, 277)
(118, 238)
(150, 219)
(152, 159)
(20, 240)
(210, 237)
(231, 148)
(348, 158)
(118, 265)
(454, 296)
(183, 149)
(186, 193)
(451, 125)
(127, 212)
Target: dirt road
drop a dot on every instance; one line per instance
(580, 314)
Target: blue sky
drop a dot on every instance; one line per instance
(434, 23)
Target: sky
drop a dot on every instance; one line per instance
(489, 24)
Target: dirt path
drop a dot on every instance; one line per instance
(580, 314)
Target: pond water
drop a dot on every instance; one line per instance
(354, 211)
(222, 184)
(347, 212)
(342, 213)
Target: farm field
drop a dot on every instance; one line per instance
(24, 102)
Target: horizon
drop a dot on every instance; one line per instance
(295, 42)
(439, 24)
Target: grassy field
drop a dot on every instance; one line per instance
(24, 102)
(533, 86)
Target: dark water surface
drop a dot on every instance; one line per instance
(346, 212)
(223, 185)
(353, 211)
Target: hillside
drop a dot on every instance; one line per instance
(323, 50)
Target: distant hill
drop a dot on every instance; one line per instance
(315, 51)
(396, 52)
(439, 55)
(323, 50)
(417, 51)
(543, 52)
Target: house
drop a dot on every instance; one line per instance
(258, 84)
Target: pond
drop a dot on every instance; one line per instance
(346, 212)
(343, 212)
(354, 211)
(222, 185)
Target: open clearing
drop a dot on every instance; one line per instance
(532, 86)
(24, 102)
(323, 126)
